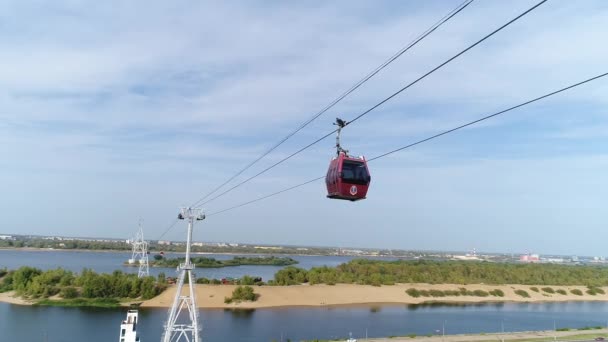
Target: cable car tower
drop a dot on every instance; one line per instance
(140, 252)
(189, 329)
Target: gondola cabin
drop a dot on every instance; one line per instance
(347, 178)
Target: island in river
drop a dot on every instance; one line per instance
(204, 262)
(355, 282)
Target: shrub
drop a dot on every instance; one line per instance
(454, 293)
(465, 292)
(246, 280)
(522, 293)
(294, 276)
(413, 292)
(548, 290)
(203, 281)
(534, 288)
(592, 290)
(68, 292)
(590, 328)
(576, 292)
(7, 282)
(497, 293)
(436, 293)
(242, 293)
(480, 293)
(561, 291)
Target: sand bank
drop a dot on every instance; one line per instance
(212, 296)
(9, 297)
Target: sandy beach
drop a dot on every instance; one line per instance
(212, 296)
(9, 297)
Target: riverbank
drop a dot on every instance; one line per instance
(212, 296)
(525, 336)
(11, 298)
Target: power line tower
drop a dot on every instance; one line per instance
(189, 328)
(140, 253)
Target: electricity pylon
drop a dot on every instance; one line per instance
(189, 328)
(140, 253)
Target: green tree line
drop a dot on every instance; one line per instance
(214, 263)
(36, 242)
(377, 272)
(34, 283)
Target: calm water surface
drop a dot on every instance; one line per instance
(25, 323)
(107, 262)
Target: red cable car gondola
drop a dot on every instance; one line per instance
(347, 177)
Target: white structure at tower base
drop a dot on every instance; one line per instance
(128, 328)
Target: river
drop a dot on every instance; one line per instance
(107, 262)
(28, 323)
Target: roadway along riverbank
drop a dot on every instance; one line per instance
(526, 336)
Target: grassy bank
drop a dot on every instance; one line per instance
(81, 302)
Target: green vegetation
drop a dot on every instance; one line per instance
(454, 293)
(534, 288)
(88, 288)
(242, 293)
(379, 272)
(81, 302)
(208, 281)
(576, 292)
(497, 293)
(561, 291)
(522, 293)
(245, 280)
(480, 293)
(413, 292)
(294, 276)
(548, 290)
(595, 290)
(203, 262)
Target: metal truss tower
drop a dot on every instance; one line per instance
(185, 328)
(140, 253)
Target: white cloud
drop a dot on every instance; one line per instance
(171, 98)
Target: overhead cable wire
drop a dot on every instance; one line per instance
(373, 73)
(446, 62)
(379, 103)
(489, 116)
(267, 196)
(426, 139)
(168, 229)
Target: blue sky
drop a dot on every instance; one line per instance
(111, 112)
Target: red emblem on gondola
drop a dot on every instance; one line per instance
(353, 190)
